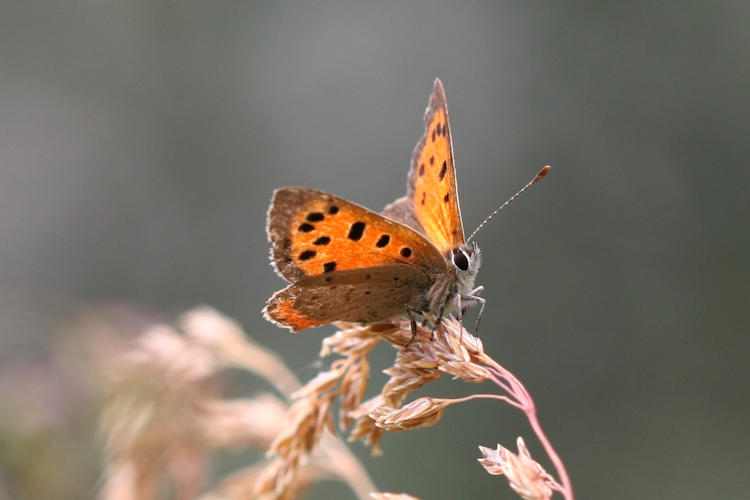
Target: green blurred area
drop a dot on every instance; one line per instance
(140, 143)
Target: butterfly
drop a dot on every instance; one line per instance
(348, 263)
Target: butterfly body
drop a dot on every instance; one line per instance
(348, 263)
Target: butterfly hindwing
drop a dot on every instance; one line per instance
(359, 295)
(432, 178)
(313, 233)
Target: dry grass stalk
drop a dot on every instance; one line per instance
(151, 425)
(526, 476)
(241, 484)
(310, 415)
(422, 412)
(450, 350)
(166, 416)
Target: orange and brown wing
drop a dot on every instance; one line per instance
(313, 232)
(432, 178)
(358, 295)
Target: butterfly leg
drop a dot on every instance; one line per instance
(474, 298)
(412, 312)
(439, 318)
(461, 311)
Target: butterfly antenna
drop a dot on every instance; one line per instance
(536, 178)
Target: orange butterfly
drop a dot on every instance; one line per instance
(347, 263)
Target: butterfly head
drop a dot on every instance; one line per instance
(466, 259)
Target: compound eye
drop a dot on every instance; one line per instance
(460, 260)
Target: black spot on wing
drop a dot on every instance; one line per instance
(383, 241)
(329, 267)
(406, 252)
(356, 231)
(307, 255)
(333, 209)
(315, 217)
(305, 227)
(443, 170)
(323, 240)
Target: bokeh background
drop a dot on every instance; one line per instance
(140, 143)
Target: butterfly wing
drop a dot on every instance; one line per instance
(431, 194)
(402, 210)
(363, 295)
(313, 232)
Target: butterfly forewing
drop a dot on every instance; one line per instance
(315, 233)
(432, 178)
(358, 295)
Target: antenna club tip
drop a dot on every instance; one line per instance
(542, 173)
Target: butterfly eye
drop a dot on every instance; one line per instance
(460, 260)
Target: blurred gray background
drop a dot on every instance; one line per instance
(140, 143)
